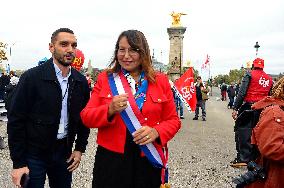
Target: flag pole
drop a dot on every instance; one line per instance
(209, 76)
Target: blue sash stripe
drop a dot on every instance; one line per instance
(150, 157)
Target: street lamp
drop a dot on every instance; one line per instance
(256, 46)
(11, 48)
(10, 59)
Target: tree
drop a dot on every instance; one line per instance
(196, 73)
(236, 75)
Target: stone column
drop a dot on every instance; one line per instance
(176, 51)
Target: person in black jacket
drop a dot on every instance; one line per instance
(9, 90)
(201, 91)
(44, 118)
(231, 94)
(256, 85)
(4, 81)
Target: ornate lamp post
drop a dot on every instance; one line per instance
(256, 46)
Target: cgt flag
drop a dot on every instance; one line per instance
(185, 89)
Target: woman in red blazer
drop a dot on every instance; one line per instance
(119, 160)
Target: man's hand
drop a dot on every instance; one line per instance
(17, 175)
(234, 114)
(76, 159)
(145, 135)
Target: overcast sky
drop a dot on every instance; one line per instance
(225, 29)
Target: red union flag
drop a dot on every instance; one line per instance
(185, 89)
(79, 60)
(206, 63)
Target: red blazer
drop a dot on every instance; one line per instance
(159, 111)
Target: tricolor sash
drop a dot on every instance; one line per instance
(133, 119)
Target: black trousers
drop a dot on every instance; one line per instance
(128, 170)
(242, 137)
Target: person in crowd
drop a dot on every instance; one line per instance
(12, 74)
(268, 137)
(201, 97)
(179, 106)
(231, 94)
(224, 92)
(133, 108)
(178, 102)
(4, 81)
(7, 96)
(237, 88)
(255, 86)
(44, 118)
(89, 80)
(9, 90)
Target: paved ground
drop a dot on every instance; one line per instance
(199, 154)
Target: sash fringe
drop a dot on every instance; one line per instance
(166, 185)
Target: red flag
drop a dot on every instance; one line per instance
(186, 89)
(206, 63)
(79, 60)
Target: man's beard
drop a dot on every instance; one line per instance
(60, 59)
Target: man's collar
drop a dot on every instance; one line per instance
(48, 72)
(59, 72)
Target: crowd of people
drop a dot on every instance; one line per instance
(7, 85)
(51, 112)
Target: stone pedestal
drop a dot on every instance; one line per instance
(176, 51)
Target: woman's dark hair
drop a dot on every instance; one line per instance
(136, 40)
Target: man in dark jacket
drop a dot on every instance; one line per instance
(256, 85)
(4, 81)
(200, 88)
(231, 94)
(44, 118)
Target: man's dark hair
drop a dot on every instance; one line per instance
(55, 33)
(198, 77)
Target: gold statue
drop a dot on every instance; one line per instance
(3, 48)
(176, 18)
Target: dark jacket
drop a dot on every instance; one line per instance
(224, 87)
(198, 92)
(4, 81)
(231, 92)
(35, 111)
(242, 91)
(9, 92)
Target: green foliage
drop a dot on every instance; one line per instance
(235, 76)
(196, 73)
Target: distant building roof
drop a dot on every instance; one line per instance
(158, 66)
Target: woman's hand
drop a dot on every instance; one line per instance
(145, 135)
(118, 103)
